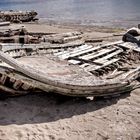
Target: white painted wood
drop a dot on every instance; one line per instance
(104, 59)
(80, 52)
(94, 67)
(97, 54)
(80, 48)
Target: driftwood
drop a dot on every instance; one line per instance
(15, 39)
(63, 38)
(18, 16)
(93, 40)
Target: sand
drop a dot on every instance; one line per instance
(55, 117)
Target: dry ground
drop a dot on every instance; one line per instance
(53, 117)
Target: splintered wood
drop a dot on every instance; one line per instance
(93, 58)
(72, 69)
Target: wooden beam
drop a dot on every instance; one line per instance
(73, 54)
(104, 59)
(94, 55)
(76, 51)
(68, 52)
(85, 61)
(97, 54)
(94, 67)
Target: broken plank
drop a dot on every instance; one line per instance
(95, 55)
(74, 61)
(104, 59)
(85, 61)
(131, 46)
(81, 52)
(92, 49)
(26, 86)
(3, 79)
(93, 67)
(17, 84)
(90, 40)
(76, 50)
(80, 48)
(4, 23)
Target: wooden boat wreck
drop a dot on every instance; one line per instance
(78, 70)
(9, 35)
(18, 16)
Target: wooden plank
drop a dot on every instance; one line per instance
(94, 67)
(3, 79)
(17, 84)
(72, 38)
(94, 40)
(26, 86)
(85, 61)
(94, 55)
(4, 23)
(12, 79)
(76, 50)
(132, 46)
(80, 48)
(104, 59)
(97, 54)
(84, 65)
(12, 92)
(47, 83)
(90, 50)
(74, 61)
(80, 52)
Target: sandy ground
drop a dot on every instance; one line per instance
(54, 117)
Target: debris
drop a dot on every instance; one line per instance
(18, 16)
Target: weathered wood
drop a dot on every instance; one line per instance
(94, 56)
(74, 61)
(86, 61)
(92, 68)
(17, 84)
(7, 47)
(93, 40)
(104, 59)
(52, 81)
(72, 38)
(97, 54)
(67, 34)
(26, 86)
(75, 50)
(4, 23)
(18, 16)
(130, 46)
(80, 52)
(12, 92)
(63, 38)
(3, 79)
(45, 78)
(88, 50)
(12, 79)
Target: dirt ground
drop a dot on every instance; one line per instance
(55, 117)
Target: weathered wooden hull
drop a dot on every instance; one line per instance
(69, 76)
(13, 83)
(46, 83)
